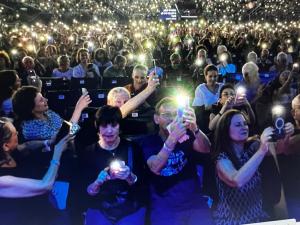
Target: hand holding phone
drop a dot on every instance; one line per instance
(240, 94)
(119, 170)
(84, 91)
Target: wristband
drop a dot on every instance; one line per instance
(220, 114)
(167, 148)
(55, 162)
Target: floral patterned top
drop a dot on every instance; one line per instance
(240, 205)
(38, 129)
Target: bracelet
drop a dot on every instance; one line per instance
(132, 178)
(55, 162)
(220, 114)
(74, 128)
(169, 150)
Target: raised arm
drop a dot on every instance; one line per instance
(137, 100)
(201, 142)
(158, 161)
(15, 187)
(238, 178)
(81, 104)
(213, 119)
(288, 144)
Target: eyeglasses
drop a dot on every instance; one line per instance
(168, 115)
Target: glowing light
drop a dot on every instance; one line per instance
(264, 45)
(14, 51)
(183, 100)
(142, 58)
(119, 36)
(241, 90)
(115, 165)
(199, 62)
(30, 48)
(278, 110)
(223, 57)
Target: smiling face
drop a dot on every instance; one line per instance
(139, 79)
(118, 99)
(211, 77)
(40, 104)
(238, 130)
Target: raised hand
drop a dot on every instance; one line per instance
(189, 119)
(153, 81)
(83, 101)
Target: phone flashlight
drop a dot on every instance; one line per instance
(240, 91)
(296, 65)
(199, 62)
(183, 102)
(116, 166)
(223, 57)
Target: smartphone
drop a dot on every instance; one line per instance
(240, 93)
(184, 104)
(295, 67)
(278, 113)
(84, 91)
(278, 123)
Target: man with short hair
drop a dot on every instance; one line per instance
(175, 192)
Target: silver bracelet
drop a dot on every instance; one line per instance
(55, 162)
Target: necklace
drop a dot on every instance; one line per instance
(110, 148)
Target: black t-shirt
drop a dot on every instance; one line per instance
(180, 165)
(95, 159)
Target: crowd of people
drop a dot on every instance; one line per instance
(223, 149)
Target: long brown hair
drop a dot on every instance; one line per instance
(223, 141)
